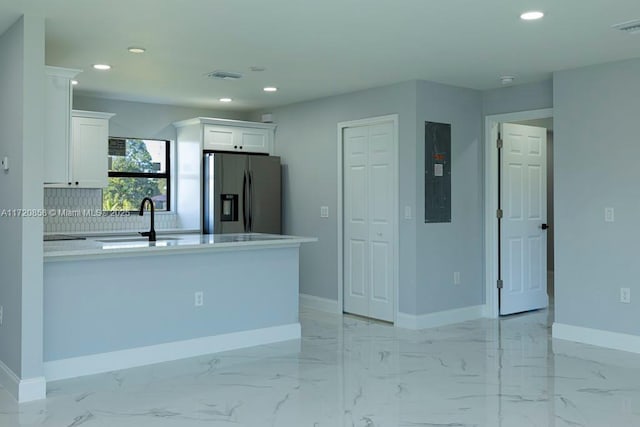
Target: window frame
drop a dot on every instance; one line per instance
(166, 175)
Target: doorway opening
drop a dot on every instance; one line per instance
(518, 214)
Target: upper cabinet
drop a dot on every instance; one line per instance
(76, 142)
(231, 135)
(89, 149)
(236, 138)
(87, 161)
(58, 92)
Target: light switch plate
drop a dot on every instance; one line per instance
(324, 211)
(456, 277)
(407, 212)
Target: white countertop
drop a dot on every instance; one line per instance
(120, 245)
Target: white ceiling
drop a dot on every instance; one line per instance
(313, 49)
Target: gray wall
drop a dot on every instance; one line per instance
(143, 120)
(11, 120)
(306, 139)
(21, 139)
(532, 96)
(445, 248)
(596, 153)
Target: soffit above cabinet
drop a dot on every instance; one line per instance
(223, 122)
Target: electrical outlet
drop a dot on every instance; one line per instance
(625, 295)
(609, 215)
(1, 314)
(456, 277)
(199, 299)
(324, 211)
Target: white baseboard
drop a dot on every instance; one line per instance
(130, 358)
(441, 318)
(488, 313)
(22, 390)
(320, 304)
(598, 337)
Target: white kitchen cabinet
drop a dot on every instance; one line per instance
(90, 154)
(58, 93)
(232, 135)
(236, 138)
(254, 140)
(219, 138)
(88, 151)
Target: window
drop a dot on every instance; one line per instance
(138, 168)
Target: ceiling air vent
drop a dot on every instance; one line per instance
(630, 27)
(225, 75)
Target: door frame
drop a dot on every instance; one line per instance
(393, 118)
(491, 178)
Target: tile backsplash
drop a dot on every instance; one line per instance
(79, 210)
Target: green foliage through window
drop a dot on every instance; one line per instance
(138, 168)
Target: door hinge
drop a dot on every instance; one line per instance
(500, 284)
(499, 143)
(499, 214)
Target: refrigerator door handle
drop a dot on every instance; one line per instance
(244, 202)
(250, 201)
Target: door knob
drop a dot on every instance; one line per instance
(544, 226)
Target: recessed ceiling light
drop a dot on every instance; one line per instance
(137, 49)
(102, 67)
(270, 89)
(531, 15)
(507, 80)
(74, 82)
(225, 99)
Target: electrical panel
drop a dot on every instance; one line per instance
(437, 172)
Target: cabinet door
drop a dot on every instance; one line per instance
(219, 138)
(253, 140)
(90, 152)
(57, 132)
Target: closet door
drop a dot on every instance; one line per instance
(369, 288)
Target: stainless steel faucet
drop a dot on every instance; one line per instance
(152, 232)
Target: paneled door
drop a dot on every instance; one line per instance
(523, 200)
(368, 240)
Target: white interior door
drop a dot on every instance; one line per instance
(523, 200)
(368, 242)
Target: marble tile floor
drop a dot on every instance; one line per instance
(348, 371)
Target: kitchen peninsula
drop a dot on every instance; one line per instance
(117, 302)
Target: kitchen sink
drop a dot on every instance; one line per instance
(134, 239)
(59, 237)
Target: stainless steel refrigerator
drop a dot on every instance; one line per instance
(241, 193)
